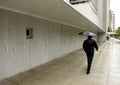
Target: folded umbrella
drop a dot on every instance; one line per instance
(87, 33)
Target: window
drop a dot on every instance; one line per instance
(29, 33)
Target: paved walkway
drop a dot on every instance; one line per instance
(71, 69)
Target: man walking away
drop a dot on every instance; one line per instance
(88, 46)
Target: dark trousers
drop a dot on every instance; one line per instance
(89, 60)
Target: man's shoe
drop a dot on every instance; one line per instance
(87, 72)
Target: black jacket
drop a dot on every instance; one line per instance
(89, 45)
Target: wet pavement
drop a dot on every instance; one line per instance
(71, 69)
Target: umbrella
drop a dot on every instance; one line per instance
(87, 33)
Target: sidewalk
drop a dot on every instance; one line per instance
(71, 69)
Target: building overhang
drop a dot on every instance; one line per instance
(52, 10)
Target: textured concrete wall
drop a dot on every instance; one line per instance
(103, 10)
(101, 37)
(50, 40)
(89, 14)
(100, 13)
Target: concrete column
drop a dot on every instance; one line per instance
(101, 37)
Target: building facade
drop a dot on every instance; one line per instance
(33, 32)
(111, 21)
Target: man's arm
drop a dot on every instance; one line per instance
(96, 46)
(84, 46)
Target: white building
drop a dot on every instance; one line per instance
(113, 21)
(55, 25)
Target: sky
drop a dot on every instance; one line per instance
(115, 6)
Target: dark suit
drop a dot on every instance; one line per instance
(88, 46)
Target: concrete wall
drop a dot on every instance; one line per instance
(98, 17)
(89, 14)
(103, 13)
(100, 13)
(101, 37)
(50, 40)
